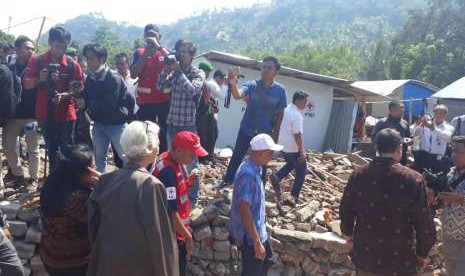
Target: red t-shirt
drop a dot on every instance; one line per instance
(66, 110)
(147, 91)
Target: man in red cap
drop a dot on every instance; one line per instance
(170, 170)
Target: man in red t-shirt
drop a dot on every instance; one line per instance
(146, 65)
(57, 116)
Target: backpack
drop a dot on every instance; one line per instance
(10, 92)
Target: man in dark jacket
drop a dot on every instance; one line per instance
(395, 121)
(24, 118)
(109, 103)
(384, 212)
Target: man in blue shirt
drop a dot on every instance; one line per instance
(266, 100)
(247, 224)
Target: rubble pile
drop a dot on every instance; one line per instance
(306, 241)
(23, 217)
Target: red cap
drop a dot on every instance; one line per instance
(189, 141)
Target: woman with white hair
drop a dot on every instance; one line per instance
(130, 229)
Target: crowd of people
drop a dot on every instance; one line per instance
(158, 113)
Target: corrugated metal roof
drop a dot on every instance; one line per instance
(343, 84)
(455, 90)
(387, 87)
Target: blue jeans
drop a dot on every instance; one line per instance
(57, 135)
(292, 163)
(102, 136)
(170, 134)
(240, 150)
(251, 266)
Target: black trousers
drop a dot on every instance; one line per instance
(10, 264)
(69, 271)
(57, 136)
(182, 258)
(252, 266)
(157, 113)
(207, 128)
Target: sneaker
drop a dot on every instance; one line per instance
(10, 180)
(221, 184)
(32, 185)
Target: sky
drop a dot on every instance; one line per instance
(137, 13)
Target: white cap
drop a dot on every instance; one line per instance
(264, 142)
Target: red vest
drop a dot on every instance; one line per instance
(147, 92)
(182, 188)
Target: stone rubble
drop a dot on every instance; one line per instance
(306, 241)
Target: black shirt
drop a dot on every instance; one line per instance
(107, 98)
(26, 108)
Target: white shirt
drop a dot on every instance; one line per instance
(293, 123)
(434, 141)
(132, 87)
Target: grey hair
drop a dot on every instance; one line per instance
(441, 107)
(140, 139)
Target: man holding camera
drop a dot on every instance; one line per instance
(266, 100)
(52, 73)
(147, 64)
(184, 81)
(23, 118)
(434, 137)
(453, 220)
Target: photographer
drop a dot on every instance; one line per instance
(266, 100)
(185, 82)
(434, 137)
(453, 220)
(22, 119)
(109, 103)
(146, 65)
(52, 73)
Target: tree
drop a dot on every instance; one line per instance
(6, 38)
(104, 36)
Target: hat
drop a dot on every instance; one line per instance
(264, 142)
(151, 28)
(205, 66)
(189, 141)
(219, 73)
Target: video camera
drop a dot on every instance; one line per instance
(171, 58)
(53, 73)
(436, 182)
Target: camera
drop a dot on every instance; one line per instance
(149, 43)
(75, 87)
(53, 72)
(436, 182)
(171, 58)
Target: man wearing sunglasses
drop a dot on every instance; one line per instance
(266, 100)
